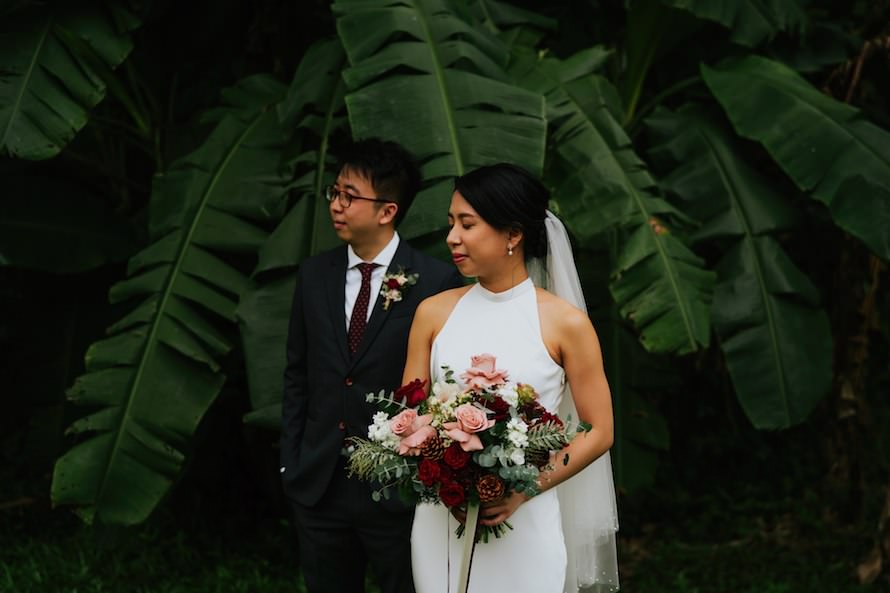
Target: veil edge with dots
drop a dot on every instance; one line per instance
(587, 500)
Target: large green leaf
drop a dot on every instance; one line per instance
(659, 284)
(423, 75)
(502, 15)
(48, 81)
(648, 24)
(641, 433)
(820, 143)
(774, 335)
(262, 315)
(314, 108)
(750, 21)
(56, 226)
(153, 378)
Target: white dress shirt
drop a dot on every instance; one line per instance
(354, 277)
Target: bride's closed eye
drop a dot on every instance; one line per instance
(464, 225)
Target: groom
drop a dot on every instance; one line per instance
(346, 339)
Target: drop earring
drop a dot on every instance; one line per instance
(509, 250)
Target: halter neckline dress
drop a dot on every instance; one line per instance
(532, 556)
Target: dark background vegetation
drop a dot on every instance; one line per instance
(729, 508)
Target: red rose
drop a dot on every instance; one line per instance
(500, 408)
(548, 417)
(446, 474)
(393, 283)
(532, 410)
(451, 494)
(456, 457)
(413, 393)
(428, 472)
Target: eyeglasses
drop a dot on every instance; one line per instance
(345, 198)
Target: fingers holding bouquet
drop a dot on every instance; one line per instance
(484, 443)
(498, 511)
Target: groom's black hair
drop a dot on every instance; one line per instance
(388, 166)
(507, 196)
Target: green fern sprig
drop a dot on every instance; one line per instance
(548, 436)
(366, 456)
(386, 401)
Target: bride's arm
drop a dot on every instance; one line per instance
(582, 360)
(580, 355)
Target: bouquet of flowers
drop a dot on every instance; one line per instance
(461, 444)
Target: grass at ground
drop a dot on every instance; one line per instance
(45, 551)
(778, 548)
(745, 544)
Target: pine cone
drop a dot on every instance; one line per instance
(538, 457)
(490, 487)
(433, 448)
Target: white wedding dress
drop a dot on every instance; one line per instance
(532, 557)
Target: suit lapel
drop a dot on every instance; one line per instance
(336, 289)
(402, 258)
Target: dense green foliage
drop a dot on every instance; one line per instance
(724, 168)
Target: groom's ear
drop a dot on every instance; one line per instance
(387, 212)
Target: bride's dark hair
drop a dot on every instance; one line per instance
(509, 197)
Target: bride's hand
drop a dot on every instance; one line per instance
(496, 512)
(459, 512)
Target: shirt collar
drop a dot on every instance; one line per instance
(382, 259)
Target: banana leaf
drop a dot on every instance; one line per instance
(750, 22)
(154, 377)
(49, 80)
(660, 285)
(641, 432)
(425, 75)
(502, 15)
(774, 333)
(315, 109)
(822, 144)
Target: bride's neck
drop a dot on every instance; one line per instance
(505, 279)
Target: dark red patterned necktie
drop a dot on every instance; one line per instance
(359, 318)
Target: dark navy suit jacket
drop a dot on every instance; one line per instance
(325, 386)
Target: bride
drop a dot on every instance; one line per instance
(563, 539)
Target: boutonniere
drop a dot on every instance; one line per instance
(394, 286)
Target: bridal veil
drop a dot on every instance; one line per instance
(587, 499)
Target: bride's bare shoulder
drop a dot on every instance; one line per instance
(438, 307)
(560, 314)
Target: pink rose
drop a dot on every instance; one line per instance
(413, 429)
(482, 373)
(403, 422)
(410, 445)
(470, 420)
(467, 442)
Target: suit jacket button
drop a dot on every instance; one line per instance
(348, 381)
(341, 425)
